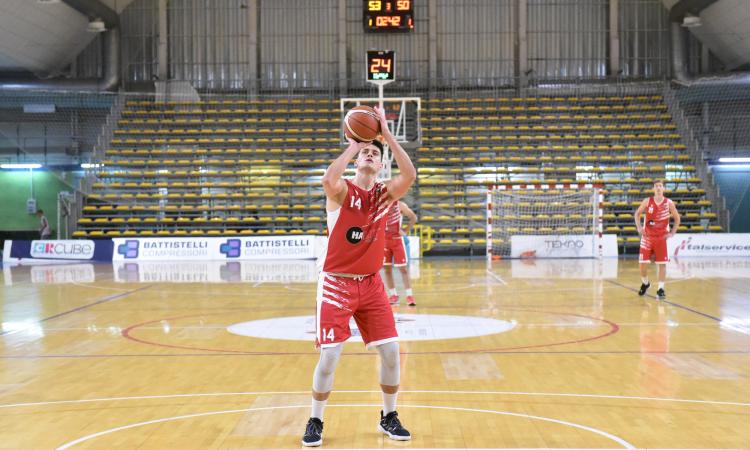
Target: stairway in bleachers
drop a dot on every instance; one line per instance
(246, 167)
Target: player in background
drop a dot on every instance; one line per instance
(655, 231)
(395, 251)
(350, 284)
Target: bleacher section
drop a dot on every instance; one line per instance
(244, 167)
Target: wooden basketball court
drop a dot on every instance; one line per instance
(531, 354)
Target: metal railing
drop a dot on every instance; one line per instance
(444, 87)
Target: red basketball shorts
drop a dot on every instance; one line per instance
(364, 298)
(395, 252)
(655, 246)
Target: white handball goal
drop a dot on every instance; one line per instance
(544, 221)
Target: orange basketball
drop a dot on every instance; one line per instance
(362, 124)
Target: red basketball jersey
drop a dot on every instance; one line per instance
(356, 232)
(657, 217)
(393, 222)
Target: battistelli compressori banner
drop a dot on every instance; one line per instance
(227, 248)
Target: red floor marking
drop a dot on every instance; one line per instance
(613, 328)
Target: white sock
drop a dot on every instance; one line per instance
(389, 403)
(409, 292)
(394, 291)
(644, 280)
(661, 285)
(317, 408)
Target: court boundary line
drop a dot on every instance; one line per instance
(676, 305)
(456, 352)
(497, 277)
(622, 442)
(414, 391)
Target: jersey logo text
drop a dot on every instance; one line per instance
(354, 235)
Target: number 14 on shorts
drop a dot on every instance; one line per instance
(328, 335)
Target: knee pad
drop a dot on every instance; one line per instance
(323, 375)
(390, 372)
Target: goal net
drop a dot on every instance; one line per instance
(544, 221)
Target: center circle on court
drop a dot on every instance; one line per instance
(410, 327)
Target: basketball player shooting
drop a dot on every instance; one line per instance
(350, 284)
(654, 234)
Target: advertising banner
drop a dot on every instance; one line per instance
(235, 248)
(709, 244)
(52, 251)
(561, 246)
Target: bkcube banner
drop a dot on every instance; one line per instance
(82, 249)
(239, 248)
(709, 244)
(51, 251)
(561, 246)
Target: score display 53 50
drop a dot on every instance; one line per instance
(389, 15)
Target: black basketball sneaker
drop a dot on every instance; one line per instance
(313, 433)
(391, 426)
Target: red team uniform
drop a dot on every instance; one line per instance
(350, 283)
(654, 239)
(395, 253)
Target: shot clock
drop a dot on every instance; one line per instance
(381, 65)
(388, 16)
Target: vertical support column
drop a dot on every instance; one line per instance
(162, 51)
(252, 48)
(599, 214)
(614, 37)
(341, 41)
(488, 236)
(705, 115)
(432, 45)
(635, 62)
(522, 49)
(679, 60)
(705, 59)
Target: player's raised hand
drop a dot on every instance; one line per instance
(383, 121)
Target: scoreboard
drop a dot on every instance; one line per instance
(388, 16)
